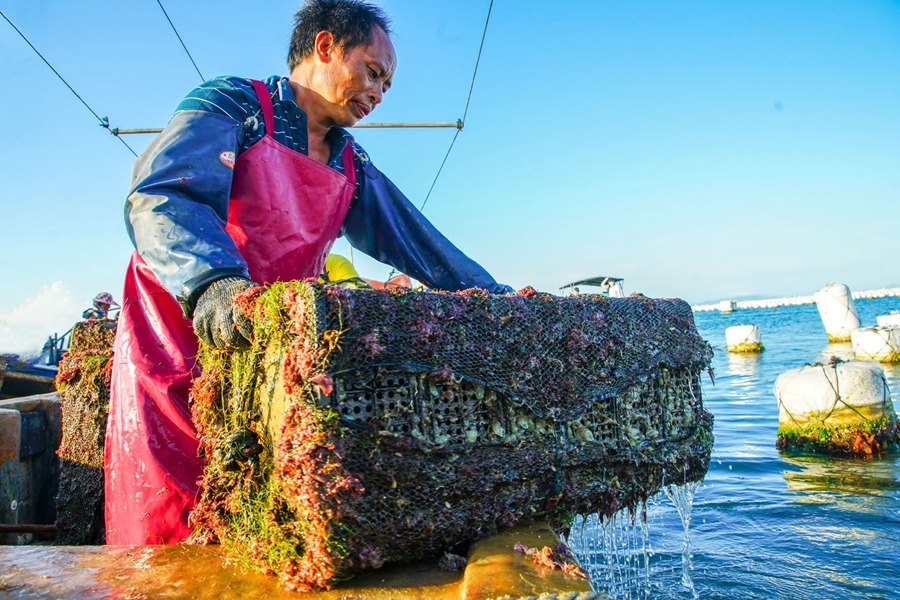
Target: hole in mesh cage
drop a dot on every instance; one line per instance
(356, 410)
(368, 395)
(391, 394)
(379, 395)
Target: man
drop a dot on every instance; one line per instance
(102, 304)
(249, 183)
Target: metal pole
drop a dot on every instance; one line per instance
(26, 528)
(117, 131)
(458, 124)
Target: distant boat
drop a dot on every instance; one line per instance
(26, 377)
(610, 286)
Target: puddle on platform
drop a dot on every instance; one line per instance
(494, 570)
(187, 572)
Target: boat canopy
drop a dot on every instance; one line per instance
(598, 281)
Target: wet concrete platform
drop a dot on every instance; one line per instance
(494, 570)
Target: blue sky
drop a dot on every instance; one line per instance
(702, 150)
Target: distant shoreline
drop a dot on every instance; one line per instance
(730, 305)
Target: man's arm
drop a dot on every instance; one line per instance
(384, 224)
(178, 205)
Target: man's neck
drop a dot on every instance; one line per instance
(318, 124)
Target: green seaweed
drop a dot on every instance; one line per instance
(867, 438)
(293, 488)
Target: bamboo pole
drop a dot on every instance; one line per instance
(458, 124)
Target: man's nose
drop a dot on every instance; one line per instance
(376, 93)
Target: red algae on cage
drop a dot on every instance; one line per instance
(365, 427)
(83, 380)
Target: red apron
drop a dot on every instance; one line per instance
(285, 211)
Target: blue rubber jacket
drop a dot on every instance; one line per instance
(178, 203)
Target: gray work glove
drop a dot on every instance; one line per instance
(218, 321)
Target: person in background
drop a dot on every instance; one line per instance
(250, 183)
(103, 302)
(340, 272)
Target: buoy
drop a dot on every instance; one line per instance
(892, 318)
(743, 338)
(841, 408)
(877, 343)
(835, 352)
(839, 316)
(725, 306)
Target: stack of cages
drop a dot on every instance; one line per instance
(84, 383)
(373, 426)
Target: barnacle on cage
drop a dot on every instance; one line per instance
(392, 425)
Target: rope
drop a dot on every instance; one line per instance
(202, 78)
(441, 168)
(104, 121)
(459, 125)
(836, 388)
(477, 60)
(462, 121)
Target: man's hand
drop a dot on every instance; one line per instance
(218, 321)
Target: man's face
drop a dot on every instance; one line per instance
(356, 80)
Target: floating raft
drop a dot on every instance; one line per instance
(366, 427)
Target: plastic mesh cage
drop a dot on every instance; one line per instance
(370, 426)
(84, 381)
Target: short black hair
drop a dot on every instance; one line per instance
(350, 21)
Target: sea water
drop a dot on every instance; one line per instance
(762, 524)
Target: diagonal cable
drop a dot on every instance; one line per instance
(178, 35)
(462, 122)
(478, 60)
(104, 121)
(441, 168)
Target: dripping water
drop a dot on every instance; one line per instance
(620, 558)
(682, 496)
(616, 552)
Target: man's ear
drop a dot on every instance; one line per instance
(324, 47)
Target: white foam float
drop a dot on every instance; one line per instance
(838, 394)
(837, 310)
(877, 343)
(892, 318)
(743, 338)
